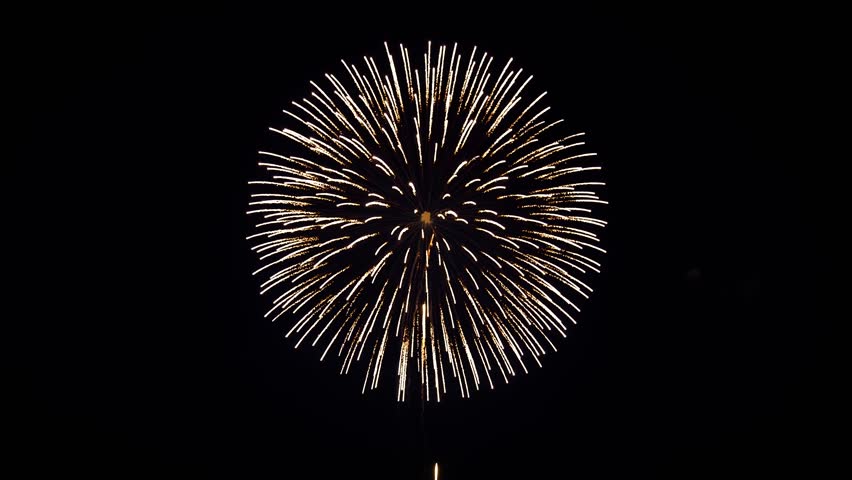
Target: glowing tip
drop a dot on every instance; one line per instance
(426, 218)
(436, 470)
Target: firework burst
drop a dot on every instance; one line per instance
(429, 211)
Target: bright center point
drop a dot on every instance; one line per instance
(426, 218)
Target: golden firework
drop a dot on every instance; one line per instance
(431, 212)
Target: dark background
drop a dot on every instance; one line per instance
(710, 348)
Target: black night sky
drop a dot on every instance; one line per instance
(710, 347)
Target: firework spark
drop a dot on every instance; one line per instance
(431, 212)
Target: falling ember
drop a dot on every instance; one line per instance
(473, 286)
